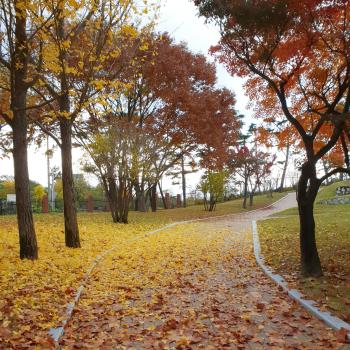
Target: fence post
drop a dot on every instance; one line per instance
(45, 205)
(167, 201)
(178, 201)
(90, 204)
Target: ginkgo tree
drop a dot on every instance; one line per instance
(213, 184)
(82, 51)
(21, 26)
(50, 65)
(295, 55)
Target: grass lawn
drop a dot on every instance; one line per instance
(197, 211)
(280, 247)
(34, 294)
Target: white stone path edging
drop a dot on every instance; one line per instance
(310, 305)
(57, 333)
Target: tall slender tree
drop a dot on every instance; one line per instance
(21, 25)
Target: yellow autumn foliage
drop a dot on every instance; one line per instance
(34, 294)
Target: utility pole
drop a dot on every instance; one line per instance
(49, 192)
(183, 175)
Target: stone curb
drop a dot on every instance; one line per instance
(57, 333)
(310, 305)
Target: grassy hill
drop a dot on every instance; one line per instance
(328, 192)
(280, 247)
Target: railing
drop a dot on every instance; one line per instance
(93, 205)
(7, 208)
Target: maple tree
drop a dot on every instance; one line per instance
(253, 166)
(167, 83)
(251, 161)
(297, 54)
(261, 169)
(166, 110)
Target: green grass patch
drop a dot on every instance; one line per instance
(280, 248)
(328, 192)
(197, 211)
(167, 216)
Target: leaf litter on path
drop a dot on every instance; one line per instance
(194, 286)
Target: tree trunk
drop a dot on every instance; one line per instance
(245, 193)
(123, 200)
(212, 203)
(70, 213)
(140, 197)
(183, 174)
(162, 195)
(142, 203)
(307, 191)
(137, 199)
(153, 197)
(259, 189)
(205, 202)
(124, 215)
(251, 198)
(283, 178)
(27, 238)
(111, 193)
(19, 69)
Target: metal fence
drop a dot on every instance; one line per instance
(9, 208)
(82, 206)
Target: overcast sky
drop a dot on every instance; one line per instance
(179, 18)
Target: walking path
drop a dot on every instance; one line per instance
(193, 286)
